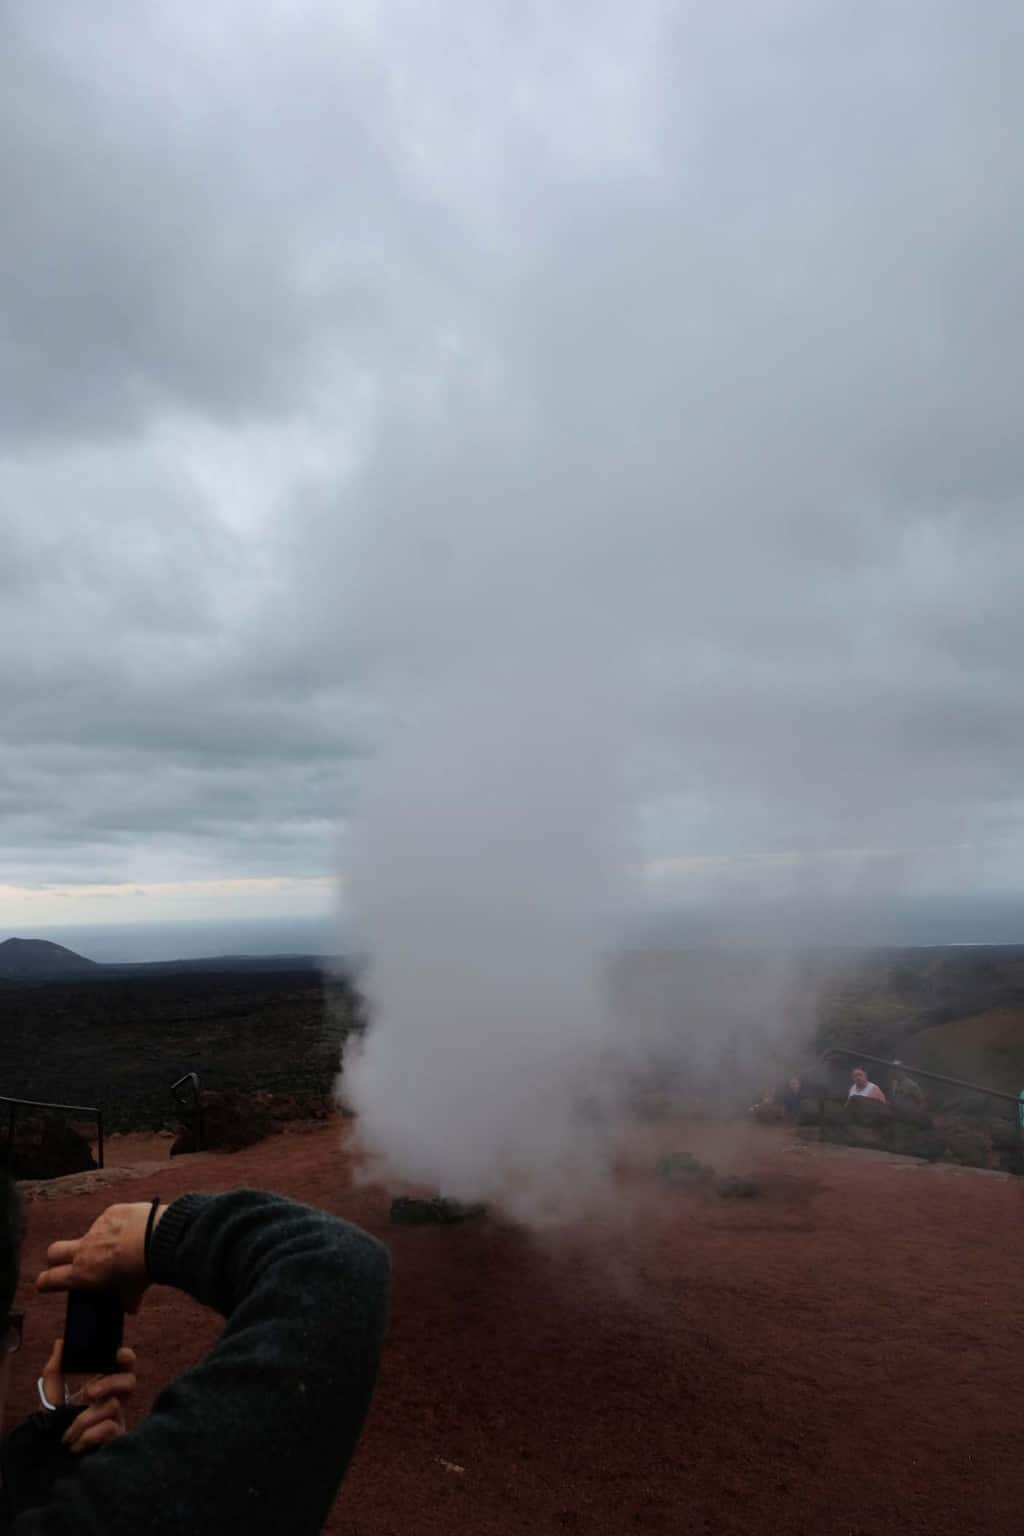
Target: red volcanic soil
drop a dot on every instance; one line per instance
(842, 1355)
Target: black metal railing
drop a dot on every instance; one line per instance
(903, 1069)
(186, 1095)
(80, 1111)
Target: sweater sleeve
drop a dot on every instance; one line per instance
(257, 1436)
(32, 1458)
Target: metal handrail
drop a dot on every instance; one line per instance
(74, 1109)
(935, 1077)
(192, 1079)
(1017, 1100)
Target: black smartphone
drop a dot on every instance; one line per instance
(93, 1332)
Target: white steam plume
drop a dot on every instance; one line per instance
(485, 866)
(636, 423)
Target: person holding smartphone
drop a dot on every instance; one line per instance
(257, 1436)
(43, 1447)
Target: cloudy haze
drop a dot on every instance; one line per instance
(340, 343)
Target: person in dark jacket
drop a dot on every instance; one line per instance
(256, 1437)
(43, 1447)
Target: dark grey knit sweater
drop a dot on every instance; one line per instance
(257, 1436)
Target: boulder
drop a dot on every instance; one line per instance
(731, 1187)
(682, 1169)
(972, 1148)
(283, 1108)
(1005, 1136)
(868, 1136)
(906, 1112)
(912, 1141)
(972, 1106)
(438, 1212)
(231, 1121)
(45, 1147)
(811, 1111)
(868, 1112)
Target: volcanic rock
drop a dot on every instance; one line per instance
(1005, 1136)
(230, 1121)
(971, 1148)
(868, 1112)
(768, 1113)
(45, 1148)
(682, 1169)
(409, 1212)
(912, 1141)
(731, 1187)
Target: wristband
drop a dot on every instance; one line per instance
(149, 1232)
(50, 1407)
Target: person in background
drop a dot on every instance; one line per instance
(789, 1096)
(906, 1090)
(863, 1088)
(256, 1437)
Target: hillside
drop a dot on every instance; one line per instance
(39, 960)
(36, 962)
(955, 1011)
(121, 1042)
(721, 1023)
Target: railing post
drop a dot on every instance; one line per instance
(192, 1080)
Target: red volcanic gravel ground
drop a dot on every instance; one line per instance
(844, 1354)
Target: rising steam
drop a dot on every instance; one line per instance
(485, 869)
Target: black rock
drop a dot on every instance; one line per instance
(681, 1169)
(408, 1212)
(45, 1148)
(733, 1188)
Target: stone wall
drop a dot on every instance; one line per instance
(980, 1140)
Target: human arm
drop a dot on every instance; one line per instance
(42, 1448)
(97, 1408)
(257, 1436)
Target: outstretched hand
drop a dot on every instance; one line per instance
(110, 1256)
(101, 1401)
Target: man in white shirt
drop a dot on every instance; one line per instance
(863, 1088)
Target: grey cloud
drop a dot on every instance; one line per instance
(184, 230)
(702, 342)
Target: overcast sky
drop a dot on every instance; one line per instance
(337, 338)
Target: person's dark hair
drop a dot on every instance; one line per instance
(10, 1241)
